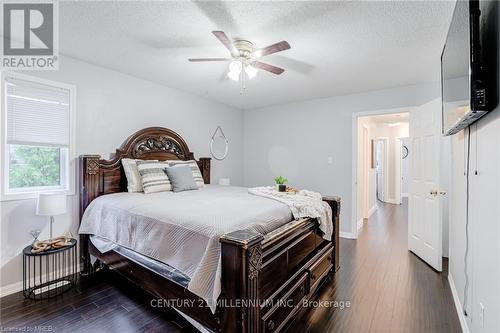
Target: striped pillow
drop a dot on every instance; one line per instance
(153, 176)
(198, 178)
(134, 183)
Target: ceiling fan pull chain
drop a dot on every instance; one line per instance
(241, 82)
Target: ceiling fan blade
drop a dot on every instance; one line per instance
(221, 35)
(208, 59)
(277, 47)
(267, 67)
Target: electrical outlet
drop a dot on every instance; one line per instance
(481, 314)
(329, 160)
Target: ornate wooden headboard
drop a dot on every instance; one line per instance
(99, 176)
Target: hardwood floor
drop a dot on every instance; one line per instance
(389, 290)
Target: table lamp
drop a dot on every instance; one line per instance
(51, 205)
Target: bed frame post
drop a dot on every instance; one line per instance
(241, 266)
(334, 203)
(89, 190)
(204, 165)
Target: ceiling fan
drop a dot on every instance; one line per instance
(243, 57)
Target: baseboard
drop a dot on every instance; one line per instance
(372, 210)
(458, 306)
(11, 289)
(18, 286)
(392, 201)
(348, 235)
(360, 223)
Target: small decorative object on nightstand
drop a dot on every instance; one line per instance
(49, 273)
(281, 183)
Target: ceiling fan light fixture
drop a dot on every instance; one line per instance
(251, 71)
(235, 66)
(233, 75)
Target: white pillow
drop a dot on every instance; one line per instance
(134, 183)
(198, 178)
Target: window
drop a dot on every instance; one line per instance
(37, 144)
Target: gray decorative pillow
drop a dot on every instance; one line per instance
(198, 178)
(181, 178)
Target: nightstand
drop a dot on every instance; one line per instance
(50, 273)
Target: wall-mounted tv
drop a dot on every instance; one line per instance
(469, 65)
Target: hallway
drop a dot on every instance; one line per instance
(389, 288)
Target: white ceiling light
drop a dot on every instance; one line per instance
(251, 71)
(235, 70)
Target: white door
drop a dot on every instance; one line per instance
(424, 211)
(380, 168)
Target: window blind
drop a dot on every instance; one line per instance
(37, 114)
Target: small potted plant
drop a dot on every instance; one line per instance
(280, 183)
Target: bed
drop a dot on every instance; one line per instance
(264, 262)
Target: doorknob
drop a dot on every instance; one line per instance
(436, 192)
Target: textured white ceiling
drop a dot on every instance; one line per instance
(337, 47)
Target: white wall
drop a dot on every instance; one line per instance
(295, 140)
(484, 216)
(484, 221)
(110, 107)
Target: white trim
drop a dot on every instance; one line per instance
(398, 171)
(392, 201)
(11, 288)
(385, 172)
(404, 195)
(70, 177)
(458, 305)
(360, 224)
(372, 210)
(18, 286)
(348, 235)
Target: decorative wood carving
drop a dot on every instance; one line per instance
(255, 262)
(244, 247)
(101, 176)
(160, 143)
(92, 167)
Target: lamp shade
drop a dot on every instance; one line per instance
(51, 204)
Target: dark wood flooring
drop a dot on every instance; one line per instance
(389, 290)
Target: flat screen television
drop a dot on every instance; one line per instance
(469, 73)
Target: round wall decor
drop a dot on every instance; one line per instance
(404, 152)
(219, 145)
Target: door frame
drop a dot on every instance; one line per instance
(385, 168)
(353, 234)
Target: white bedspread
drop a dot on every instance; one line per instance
(303, 204)
(183, 229)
